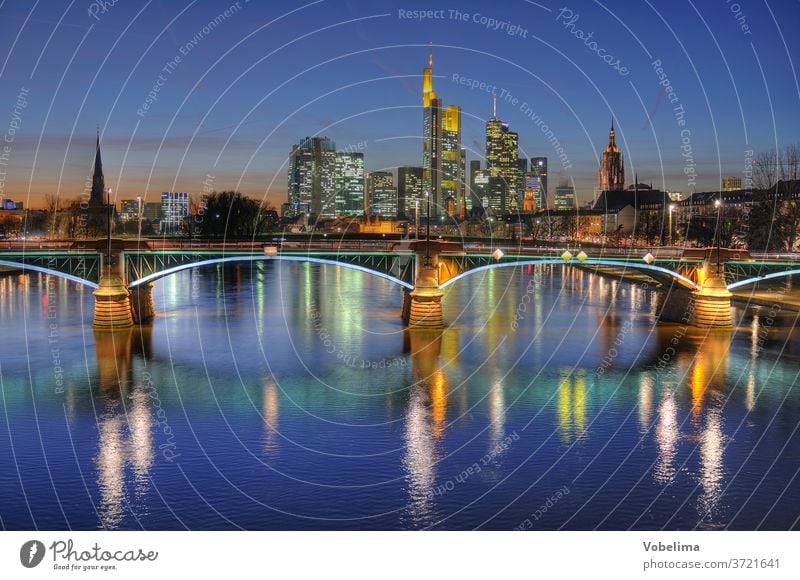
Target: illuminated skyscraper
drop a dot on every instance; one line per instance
(478, 183)
(452, 177)
(564, 197)
(409, 190)
(502, 154)
(382, 194)
(539, 168)
(311, 179)
(349, 183)
(611, 175)
(442, 165)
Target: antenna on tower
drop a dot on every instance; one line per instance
(430, 54)
(494, 104)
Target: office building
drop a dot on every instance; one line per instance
(539, 168)
(409, 190)
(311, 177)
(350, 184)
(174, 210)
(564, 197)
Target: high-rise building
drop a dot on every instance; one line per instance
(478, 184)
(409, 190)
(466, 200)
(131, 210)
(349, 183)
(174, 210)
(731, 183)
(502, 162)
(442, 166)
(451, 156)
(539, 168)
(564, 197)
(611, 175)
(533, 190)
(311, 177)
(382, 194)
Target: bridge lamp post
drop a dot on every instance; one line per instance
(110, 217)
(416, 213)
(718, 205)
(671, 211)
(428, 231)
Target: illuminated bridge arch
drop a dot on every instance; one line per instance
(256, 258)
(658, 273)
(26, 268)
(756, 279)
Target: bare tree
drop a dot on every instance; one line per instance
(765, 170)
(789, 162)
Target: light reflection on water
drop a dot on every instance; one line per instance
(291, 396)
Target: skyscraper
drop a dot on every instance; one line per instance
(431, 138)
(611, 175)
(564, 197)
(478, 183)
(502, 154)
(451, 155)
(311, 178)
(174, 209)
(382, 194)
(539, 168)
(442, 166)
(349, 183)
(409, 190)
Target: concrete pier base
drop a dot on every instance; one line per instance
(425, 308)
(112, 305)
(142, 308)
(713, 304)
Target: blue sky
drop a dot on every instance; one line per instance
(269, 73)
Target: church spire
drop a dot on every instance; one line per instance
(98, 180)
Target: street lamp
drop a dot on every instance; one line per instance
(428, 231)
(718, 205)
(671, 209)
(416, 214)
(110, 217)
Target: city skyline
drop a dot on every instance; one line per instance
(155, 138)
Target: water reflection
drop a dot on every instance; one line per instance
(125, 422)
(571, 404)
(425, 419)
(271, 413)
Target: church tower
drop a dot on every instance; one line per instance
(611, 176)
(97, 197)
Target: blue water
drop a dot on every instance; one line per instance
(291, 397)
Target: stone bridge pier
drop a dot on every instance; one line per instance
(115, 305)
(706, 307)
(422, 306)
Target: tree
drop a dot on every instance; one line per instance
(232, 215)
(765, 232)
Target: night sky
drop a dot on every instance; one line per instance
(255, 80)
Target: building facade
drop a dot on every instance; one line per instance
(174, 210)
(409, 190)
(312, 177)
(350, 184)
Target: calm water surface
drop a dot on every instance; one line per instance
(291, 397)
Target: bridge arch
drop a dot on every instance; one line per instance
(658, 273)
(50, 272)
(314, 260)
(757, 279)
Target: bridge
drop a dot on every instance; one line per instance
(695, 288)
